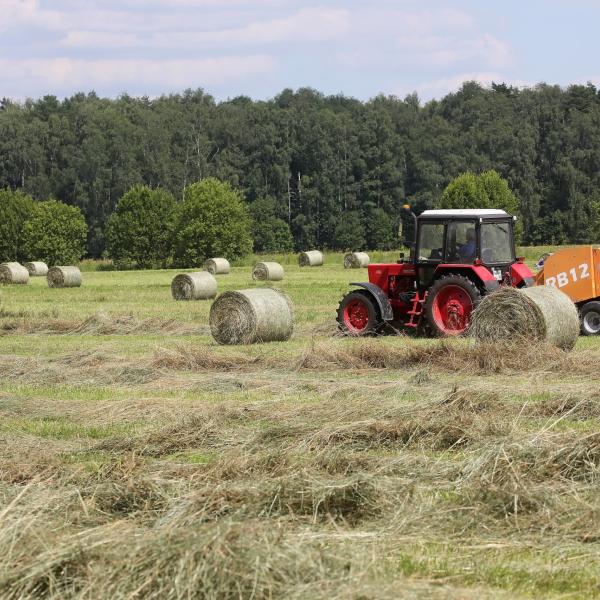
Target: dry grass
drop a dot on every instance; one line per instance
(318, 468)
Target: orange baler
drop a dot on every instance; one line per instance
(576, 272)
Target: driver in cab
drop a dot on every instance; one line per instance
(468, 249)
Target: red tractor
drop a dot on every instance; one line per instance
(456, 258)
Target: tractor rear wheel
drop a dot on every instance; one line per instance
(590, 318)
(358, 315)
(450, 302)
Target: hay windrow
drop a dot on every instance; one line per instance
(194, 286)
(251, 316)
(13, 272)
(64, 277)
(267, 271)
(527, 315)
(356, 260)
(311, 258)
(36, 268)
(217, 266)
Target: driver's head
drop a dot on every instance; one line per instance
(471, 234)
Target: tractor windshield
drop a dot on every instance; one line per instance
(496, 243)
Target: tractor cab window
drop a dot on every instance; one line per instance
(461, 242)
(431, 241)
(496, 243)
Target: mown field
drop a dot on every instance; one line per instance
(140, 460)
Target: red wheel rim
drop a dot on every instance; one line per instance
(356, 316)
(452, 308)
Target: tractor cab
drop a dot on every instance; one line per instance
(457, 257)
(463, 237)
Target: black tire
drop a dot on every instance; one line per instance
(590, 318)
(372, 320)
(439, 286)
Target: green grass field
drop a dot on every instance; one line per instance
(138, 459)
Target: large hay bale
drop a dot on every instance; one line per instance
(194, 286)
(63, 277)
(37, 268)
(217, 266)
(251, 316)
(13, 272)
(311, 258)
(356, 260)
(267, 271)
(527, 315)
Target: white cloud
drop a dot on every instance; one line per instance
(437, 88)
(55, 75)
(304, 26)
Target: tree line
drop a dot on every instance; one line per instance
(315, 170)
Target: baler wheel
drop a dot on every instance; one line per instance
(590, 318)
(358, 314)
(450, 302)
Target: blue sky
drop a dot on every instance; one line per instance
(259, 47)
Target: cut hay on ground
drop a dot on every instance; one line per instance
(194, 286)
(217, 266)
(251, 316)
(533, 314)
(36, 268)
(312, 258)
(62, 277)
(267, 271)
(356, 260)
(13, 272)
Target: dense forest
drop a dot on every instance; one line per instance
(333, 168)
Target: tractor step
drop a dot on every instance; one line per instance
(416, 311)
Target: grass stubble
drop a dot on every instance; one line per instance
(321, 467)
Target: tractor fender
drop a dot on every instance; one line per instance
(478, 274)
(387, 314)
(521, 275)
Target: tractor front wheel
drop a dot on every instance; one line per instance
(358, 315)
(450, 302)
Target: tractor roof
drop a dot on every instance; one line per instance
(465, 213)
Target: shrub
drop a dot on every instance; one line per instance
(212, 220)
(141, 227)
(55, 233)
(271, 233)
(487, 190)
(350, 232)
(380, 230)
(15, 209)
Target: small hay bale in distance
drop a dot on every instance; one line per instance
(252, 316)
(356, 260)
(311, 258)
(63, 277)
(267, 271)
(535, 314)
(217, 266)
(37, 268)
(13, 272)
(194, 286)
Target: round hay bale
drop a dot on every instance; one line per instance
(267, 271)
(37, 268)
(63, 277)
(217, 266)
(251, 316)
(356, 260)
(535, 314)
(194, 286)
(311, 258)
(13, 272)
